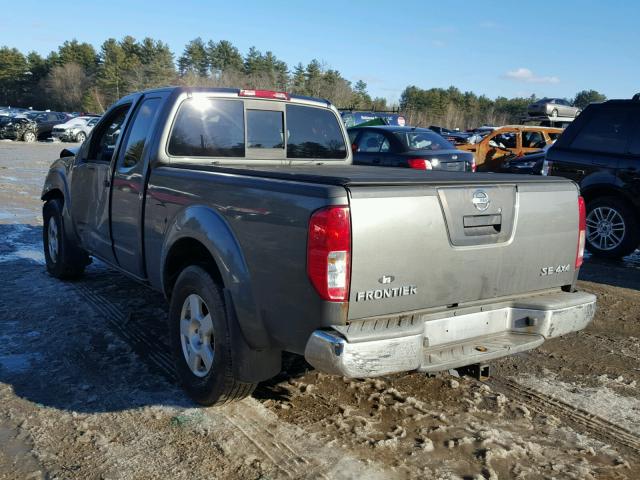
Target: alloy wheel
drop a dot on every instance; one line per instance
(605, 228)
(52, 240)
(196, 335)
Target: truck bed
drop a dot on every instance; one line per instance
(349, 175)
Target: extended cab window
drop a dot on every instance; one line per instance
(208, 127)
(138, 134)
(314, 133)
(606, 131)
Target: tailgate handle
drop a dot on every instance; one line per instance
(475, 225)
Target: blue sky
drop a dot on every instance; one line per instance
(550, 48)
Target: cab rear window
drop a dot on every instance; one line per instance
(314, 133)
(208, 127)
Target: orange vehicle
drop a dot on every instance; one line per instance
(516, 139)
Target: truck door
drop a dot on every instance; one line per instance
(90, 184)
(127, 193)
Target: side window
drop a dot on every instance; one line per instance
(104, 141)
(314, 133)
(606, 131)
(533, 140)
(504, 140)
(372, 142)
(138, 134)
(265, 129)
(208, 127)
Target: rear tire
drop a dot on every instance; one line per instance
(554, 113)
(64, 259)
(612, 228)
(81, 137)
(200, 340)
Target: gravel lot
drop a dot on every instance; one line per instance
(87, 388)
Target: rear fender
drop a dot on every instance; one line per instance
(211, 230)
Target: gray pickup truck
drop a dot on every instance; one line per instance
(242, 206)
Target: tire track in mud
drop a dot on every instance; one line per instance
(547, 404)
(245, 419)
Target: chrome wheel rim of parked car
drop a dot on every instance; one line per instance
(605, 228)
(29, 137)
(196, 334)
(52, 240)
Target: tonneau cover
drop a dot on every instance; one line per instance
(355, 175)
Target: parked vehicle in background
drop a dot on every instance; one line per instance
(600, 151)
(352, 118)
(46, 121)
(529, 163)
(409, 147)
(75, 130)
(512, 139)
(553, 107)
(18, 128)
(453, 136)
(243, 208)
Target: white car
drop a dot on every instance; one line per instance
(75, 130)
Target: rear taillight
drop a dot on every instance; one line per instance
(329, 252)
(582, 227)
(546, 167)
(264, 94)
(474, 166)
(420, 164)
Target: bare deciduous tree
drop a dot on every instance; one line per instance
(67, 85)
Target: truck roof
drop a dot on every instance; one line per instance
(232, 92)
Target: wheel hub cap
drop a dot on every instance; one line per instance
(605, 228)
(196, 334)
(52, 240)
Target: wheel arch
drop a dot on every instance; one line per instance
(199, 235)
(592, 192)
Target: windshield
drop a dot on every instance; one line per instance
(423, 140)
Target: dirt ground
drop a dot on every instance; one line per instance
(87, 388)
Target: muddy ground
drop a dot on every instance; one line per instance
(87, 388)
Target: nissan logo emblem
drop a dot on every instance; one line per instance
(480, 200)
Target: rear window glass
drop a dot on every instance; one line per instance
(265, 129)
(208, 127)
(606, 131)
(423, 140)
(313, 133)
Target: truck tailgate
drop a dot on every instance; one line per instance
(423, 246)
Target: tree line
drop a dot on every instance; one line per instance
(77, 77)
(455, 109)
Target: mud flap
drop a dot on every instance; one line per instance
(249, 365)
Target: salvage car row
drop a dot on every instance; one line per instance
(30, 126)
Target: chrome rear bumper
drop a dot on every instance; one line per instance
(455, 341)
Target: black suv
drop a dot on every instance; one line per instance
(600, 151)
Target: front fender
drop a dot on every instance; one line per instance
(57, 179)
(210, 229)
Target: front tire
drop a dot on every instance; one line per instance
(29, 137)
(63, 258)
(200, 340)
(612, 228)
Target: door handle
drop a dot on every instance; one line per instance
(106, 183)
